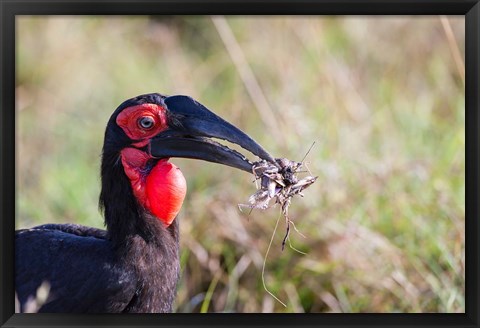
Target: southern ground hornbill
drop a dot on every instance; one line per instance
(133, 266)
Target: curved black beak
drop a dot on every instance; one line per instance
(191, 124)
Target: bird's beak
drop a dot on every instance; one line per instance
(191, 125)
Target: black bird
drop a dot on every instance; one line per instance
(133, 266)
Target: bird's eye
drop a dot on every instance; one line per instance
(146, 122)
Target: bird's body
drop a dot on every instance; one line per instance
(95, 276)
(101, 278)
(132, 266)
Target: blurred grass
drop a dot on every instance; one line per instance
(382, 97)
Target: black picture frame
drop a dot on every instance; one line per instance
(11, 8)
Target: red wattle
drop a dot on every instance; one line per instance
(165, 191)
(161, 191)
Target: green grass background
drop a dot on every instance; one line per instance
(383, 98)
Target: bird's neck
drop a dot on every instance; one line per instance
(157, 267)
(142, 242)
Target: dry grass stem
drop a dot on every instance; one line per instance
(248, 77)
(265, 261)
(453, 44)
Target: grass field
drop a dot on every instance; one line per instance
(382, 98)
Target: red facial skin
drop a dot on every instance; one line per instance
(162, 190)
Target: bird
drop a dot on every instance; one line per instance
(133, 265)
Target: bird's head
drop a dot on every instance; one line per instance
(145, 131)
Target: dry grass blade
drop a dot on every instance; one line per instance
(265, 261)
(34, 304)
(246, 74)
(452, 42)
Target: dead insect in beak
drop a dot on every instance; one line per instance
(280, 181)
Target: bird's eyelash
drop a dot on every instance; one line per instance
(174, 120)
